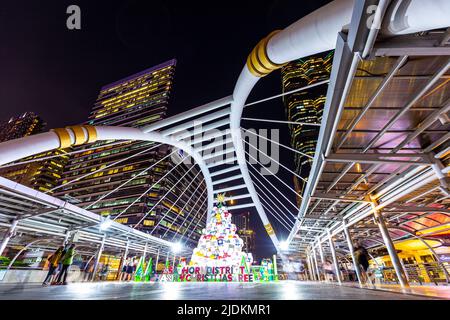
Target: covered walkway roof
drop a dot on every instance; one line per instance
(384, 138)
(43, 217)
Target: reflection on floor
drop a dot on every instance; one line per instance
(284, 290)
(441, 291)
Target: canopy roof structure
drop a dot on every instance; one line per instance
(45, 218)
(384, 140)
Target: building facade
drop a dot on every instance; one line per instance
(39, 175)
(305, 107)
(246, 233)
(136, 101)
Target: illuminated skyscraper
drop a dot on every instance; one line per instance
(39, 175)
(135, 101)
(305, 106)
(247, 234)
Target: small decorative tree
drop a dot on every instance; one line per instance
(219, 244)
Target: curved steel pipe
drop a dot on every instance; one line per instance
(64, 137)
(319, 30)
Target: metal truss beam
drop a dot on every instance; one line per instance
(241, 206)
(336, 197)
(412, 46)
(37, 213)
(321, 218)
(423, 159)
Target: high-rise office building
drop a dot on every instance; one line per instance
(305, 107)
(247, 234)
(135, 101)
(39, 175)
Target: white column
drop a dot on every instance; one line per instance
(319, 244)
(310, 271)
(8, 235)
(352, 253)
(66, 238)
(311, 267)
(173, 263)
(390, 248)
(124, 258)
(333, 253)
(97, 259)
(144, 254)
(157, 261)
(315, 264)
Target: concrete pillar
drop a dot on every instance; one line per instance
(8, 235)
(333, 254)
(352, 253)
(390, 247)
(97, 259)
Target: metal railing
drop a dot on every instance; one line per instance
(417, 273)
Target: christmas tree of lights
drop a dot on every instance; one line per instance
(219, 245)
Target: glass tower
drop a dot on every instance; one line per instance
(306, 107)
(39, 175)
(247, 234)
(135, 101)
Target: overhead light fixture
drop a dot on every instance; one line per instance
(105, 224)
(176, 247)
(284, 245)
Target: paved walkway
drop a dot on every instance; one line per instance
(442, 291)
(282, 290)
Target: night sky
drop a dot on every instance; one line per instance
(57, 73)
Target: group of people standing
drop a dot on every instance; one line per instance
(59, 264)
(128, 269)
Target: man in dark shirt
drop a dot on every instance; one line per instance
(362, 259)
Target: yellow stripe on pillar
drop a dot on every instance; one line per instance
(64, 137)
(269, 229)
(92, 133)
(258, 61)
(80, 136)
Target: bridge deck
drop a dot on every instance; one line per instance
(284, 290)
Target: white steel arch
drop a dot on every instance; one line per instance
(60, 138)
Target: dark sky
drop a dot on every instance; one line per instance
(57, 73)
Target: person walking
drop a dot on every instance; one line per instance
(54, 260)
(362, 259)
(67, 261)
